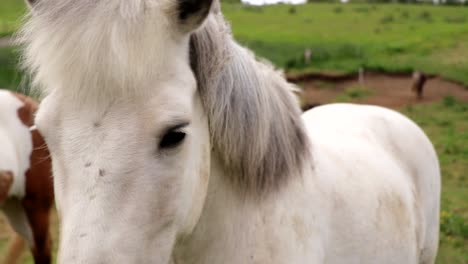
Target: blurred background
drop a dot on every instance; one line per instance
(411, 56)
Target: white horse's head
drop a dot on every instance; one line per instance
(136, 106)
(128, 136)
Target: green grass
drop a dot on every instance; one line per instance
(10, 77)
(11, 12)
(446, 124)
(388, 37)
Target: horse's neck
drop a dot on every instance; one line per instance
(236, 229)
(221, 232)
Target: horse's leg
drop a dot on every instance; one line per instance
(6, 180)
(15, 250)
(39, 219)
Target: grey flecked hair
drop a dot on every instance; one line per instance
(254, 116)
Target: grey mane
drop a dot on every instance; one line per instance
(254, 117)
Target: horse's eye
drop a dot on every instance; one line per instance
(172, 139)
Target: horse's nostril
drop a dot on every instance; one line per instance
(6, 180)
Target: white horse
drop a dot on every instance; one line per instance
(172, 144)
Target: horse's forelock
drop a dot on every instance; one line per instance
(79, 45)
(254, 117)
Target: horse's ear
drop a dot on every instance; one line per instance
(192, 13)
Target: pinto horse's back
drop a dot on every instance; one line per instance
(383, 176)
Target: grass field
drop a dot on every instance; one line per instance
(388, 37)
(446, 124)
(11, 12)
(10, 77)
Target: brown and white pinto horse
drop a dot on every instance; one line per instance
(26, 189)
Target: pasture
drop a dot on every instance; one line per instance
(342, 38)
(386, 37)
(10, 16)
(10, 77)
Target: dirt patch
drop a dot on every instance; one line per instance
(389, 90)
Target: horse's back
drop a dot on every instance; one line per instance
(382, 175)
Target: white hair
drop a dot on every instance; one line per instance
(254, 117)
(79, 46)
